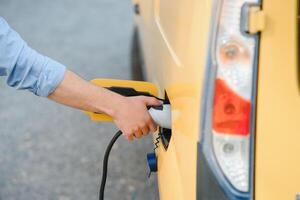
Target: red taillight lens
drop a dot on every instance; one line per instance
(231, 112)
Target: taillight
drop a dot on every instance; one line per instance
(230, 97)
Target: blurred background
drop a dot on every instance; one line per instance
(48, 151)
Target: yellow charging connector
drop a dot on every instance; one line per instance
(123, 87)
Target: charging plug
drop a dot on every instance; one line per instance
(161, 115)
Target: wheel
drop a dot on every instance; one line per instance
(136, 57)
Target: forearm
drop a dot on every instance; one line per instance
(75, 92)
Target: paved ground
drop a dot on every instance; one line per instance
(53, 152)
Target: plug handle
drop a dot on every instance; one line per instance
(162, 116)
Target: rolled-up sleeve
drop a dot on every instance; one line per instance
(25, 68)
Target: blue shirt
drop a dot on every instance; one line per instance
(25, 68)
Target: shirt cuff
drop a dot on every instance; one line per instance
(50, 77)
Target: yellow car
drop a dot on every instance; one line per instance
(230, 71)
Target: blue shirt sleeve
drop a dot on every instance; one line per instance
(25, 68)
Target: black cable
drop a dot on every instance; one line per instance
(105, 163)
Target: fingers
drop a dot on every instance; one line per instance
(138, 133)
(129, 137)
(145, 130)
(152, 127)
(151, 124)
(134, 133)
(152, 101)
(142, 131)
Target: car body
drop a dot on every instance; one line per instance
(177, 41)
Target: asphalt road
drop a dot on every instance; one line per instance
(48, 151)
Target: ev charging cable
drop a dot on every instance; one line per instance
(161, 116)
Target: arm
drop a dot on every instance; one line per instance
(129, 113)
(26, 69)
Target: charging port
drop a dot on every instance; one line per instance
(165, 135)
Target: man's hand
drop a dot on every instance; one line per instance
(132, 116)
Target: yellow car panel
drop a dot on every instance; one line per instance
(174, 55)
(277, 171)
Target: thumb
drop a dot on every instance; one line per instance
(152, 101)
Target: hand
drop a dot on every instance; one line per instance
(132, 116)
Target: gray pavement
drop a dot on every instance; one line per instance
(48, 151)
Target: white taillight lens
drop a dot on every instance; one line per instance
(233, 89)
(232, 154)
(233, 58)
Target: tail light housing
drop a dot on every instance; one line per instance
(229, 99)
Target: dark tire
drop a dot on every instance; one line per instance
(136, 57)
